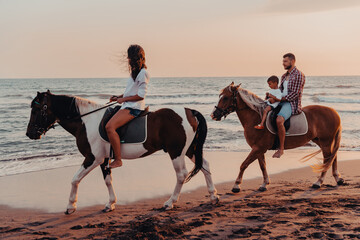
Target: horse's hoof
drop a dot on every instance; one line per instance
(262, 189)
(315, 186)
(341, 182)
(235, 190)
(215, 201)
(167, 207)
(108, 209)
(69, 211)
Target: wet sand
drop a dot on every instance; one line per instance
(289, 209)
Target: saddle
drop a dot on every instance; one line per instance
(296, 125)
(134, 131)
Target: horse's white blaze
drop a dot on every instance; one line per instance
(212, 113)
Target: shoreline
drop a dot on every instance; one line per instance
(304, 148)
(131, 182)
(289, 209)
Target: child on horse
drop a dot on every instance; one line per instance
(274, 92)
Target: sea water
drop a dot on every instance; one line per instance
(19, 154)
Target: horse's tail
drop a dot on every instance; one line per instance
(197, 144)
(328, 161)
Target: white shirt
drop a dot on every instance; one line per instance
(285, 85)
(137, 87)
(277, 93)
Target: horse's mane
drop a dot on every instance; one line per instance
(253, 101)
(85, 105)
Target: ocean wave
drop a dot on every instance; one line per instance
(334, 100)
(12, 95)
(348, 112)
(186, 103)
(19, 154)
(35, 157)
(344, 86)
(171, 96)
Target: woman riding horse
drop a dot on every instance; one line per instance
(133, 99)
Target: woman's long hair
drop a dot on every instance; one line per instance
(136, 57)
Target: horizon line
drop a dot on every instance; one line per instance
(16, 78)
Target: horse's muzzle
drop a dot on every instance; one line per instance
(216, 115)
(33, 135)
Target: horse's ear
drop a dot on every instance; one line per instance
(232, 84)
(238, 86)
(38, 94)
(48, 91)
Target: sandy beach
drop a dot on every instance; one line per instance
(32, 205)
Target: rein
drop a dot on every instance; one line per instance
(45, 115)
(85, 114)
(231, 108)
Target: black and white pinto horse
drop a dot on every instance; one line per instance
(180, 132)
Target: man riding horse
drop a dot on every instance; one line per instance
(292, 85)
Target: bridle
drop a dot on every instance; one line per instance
(43, 122)
(231, 108)
(44, 118)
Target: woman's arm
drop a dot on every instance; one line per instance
(114, 98)
(134, 98)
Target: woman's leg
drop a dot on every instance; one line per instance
(122, 117)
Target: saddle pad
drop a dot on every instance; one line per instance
(134, 131)
(298, 125)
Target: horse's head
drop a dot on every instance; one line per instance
(227, 102)
(41, 118)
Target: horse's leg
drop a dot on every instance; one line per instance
(262, 164)
(336, 174)
(79, 175)
(326, 150)
(214, 198)
(320, 180)
(253, 155)
(181, 174)
(106, 171)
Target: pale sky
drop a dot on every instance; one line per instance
(188, 38)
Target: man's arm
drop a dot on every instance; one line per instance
(295, 88)
(274, 97)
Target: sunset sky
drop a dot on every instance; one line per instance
(189, 38)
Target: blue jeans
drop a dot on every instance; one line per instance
(285, 111)
(134, 112)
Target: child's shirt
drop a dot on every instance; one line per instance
(276, 93)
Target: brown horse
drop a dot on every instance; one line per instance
(324, 130)
(180, 132)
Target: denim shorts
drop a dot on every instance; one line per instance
(285, 111)
(134, 112)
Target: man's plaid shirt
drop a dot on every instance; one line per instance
(295, 88)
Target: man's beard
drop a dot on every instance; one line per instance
(288, 67)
